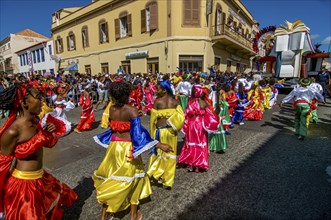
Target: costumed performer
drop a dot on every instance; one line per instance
(87, 116)
(120, 180)
(217, 141)
(149, 90)
(199, 119)
(242, 102)
(303, 105)
(27, 191)
(105, 116)
(255, 109)
(167, 119)
(184, 90)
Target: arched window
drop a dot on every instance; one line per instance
(123, 25)
(85, 39)
(219, 20)
(71, 41)
(149, 17)
(59, 44)
(103, 31)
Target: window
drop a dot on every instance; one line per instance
(104, 68)
(123, 26)
(71, 42)
(42, 55)
(88, 69)
(34, 56)
(8, 45)
(38, 56)
(153, 65)
(25, 59)
(50, 50)
(59, 44)
(126, 66)
(149, 17)
(191, 12)
(21, 60)
(51, 71)
(103, 32)
(217, 61)
(228, 65)
(191, 63)
(85, 37)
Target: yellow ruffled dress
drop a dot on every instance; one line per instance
(162, 166)
(105, 116)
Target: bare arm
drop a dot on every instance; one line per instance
(8, 141)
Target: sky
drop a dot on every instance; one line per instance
(36, 15)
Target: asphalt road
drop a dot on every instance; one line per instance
(265, 174)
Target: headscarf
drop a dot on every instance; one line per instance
(193, 104)
(167, 86)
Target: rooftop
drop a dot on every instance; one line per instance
(30, 33)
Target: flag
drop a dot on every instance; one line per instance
(30, 59)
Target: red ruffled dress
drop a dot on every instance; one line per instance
(87, 116)
(32, 198)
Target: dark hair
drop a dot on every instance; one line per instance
(241, 89)
(7, 97)
(120, 92)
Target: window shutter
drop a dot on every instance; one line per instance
(187, 11)
(129, 25)
(68, 45)
(86, 37)
(61, 45)
(117, 28)
(195, 12)
(223, 18)
(57, 51)
(143, 20)
(216, 23)
(106, 30)
(100, 33)
(74, 39)
(154, 16)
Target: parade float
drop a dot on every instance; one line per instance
(263, 43)
(287, 51)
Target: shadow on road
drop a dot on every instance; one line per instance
(84, 190)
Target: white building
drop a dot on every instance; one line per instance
(37, 58)
(13, 43)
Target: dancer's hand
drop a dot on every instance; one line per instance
(50, 127)
(164, 147)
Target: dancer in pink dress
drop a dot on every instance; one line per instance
(149, 90)
(199, 120)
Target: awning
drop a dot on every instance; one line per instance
(71, 67)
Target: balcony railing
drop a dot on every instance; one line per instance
(233, 33)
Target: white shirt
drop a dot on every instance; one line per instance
(100, 84)
(184, 87)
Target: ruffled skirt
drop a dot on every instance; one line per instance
(121, 180)
(163, 165)
(40, 198)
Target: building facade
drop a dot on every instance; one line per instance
(13, 43)
(154, 36)
(37, 59)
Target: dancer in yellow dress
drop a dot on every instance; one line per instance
(120, 180)
(105, 116)
(167, 119)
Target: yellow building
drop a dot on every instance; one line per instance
(154, 36)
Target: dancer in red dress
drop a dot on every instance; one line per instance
(87, 116)
(27, 191)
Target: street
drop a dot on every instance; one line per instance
(265, 174)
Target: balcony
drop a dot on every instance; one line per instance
(231, 39)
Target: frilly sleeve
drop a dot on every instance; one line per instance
(141, 139)
(211, 121)
(104, 138)
(176, 120)
(153, 121)
(41, 139)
